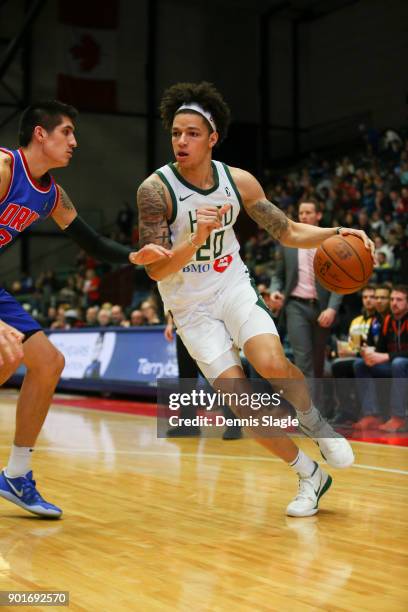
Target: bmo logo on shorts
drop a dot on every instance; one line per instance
(221, 264)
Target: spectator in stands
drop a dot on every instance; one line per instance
(382, 269)
(51, 316)
(345, 168)
(404, 173)
(363, 222)
(342, 367)
(136, 318)
(69, 293)
(403, 202)
(150, 314)
(72, 319)
(17, 288)
(382, 247)
(310, 310)
(91, 287)
(60, 322)
(91, 317)
(392, 141)
(104, 317)
(388, 360)
(377, 223)
(382, 308)
(118, 317)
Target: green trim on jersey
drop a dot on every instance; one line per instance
(193, 187)
(172, 195)
(231, 180)
(260, 301)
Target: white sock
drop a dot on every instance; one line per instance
(19, 461)
(303, 465)
(311, 419)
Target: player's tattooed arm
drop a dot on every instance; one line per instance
(152, 207)
(266, 214)
(66, 201)
(269, 217)
(64, 212)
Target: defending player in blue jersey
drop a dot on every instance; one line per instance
(28, 193)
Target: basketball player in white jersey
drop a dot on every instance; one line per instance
(191, 206)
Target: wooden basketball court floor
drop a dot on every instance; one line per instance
(198, 524)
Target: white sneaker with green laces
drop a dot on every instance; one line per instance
(311, 488)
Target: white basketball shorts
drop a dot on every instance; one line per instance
(215, 330)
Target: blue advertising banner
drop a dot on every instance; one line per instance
(115, 358)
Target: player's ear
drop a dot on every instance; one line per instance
(213, 139)
(40, 133)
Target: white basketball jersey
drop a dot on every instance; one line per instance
(218, 261)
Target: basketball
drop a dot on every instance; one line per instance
(343, 264)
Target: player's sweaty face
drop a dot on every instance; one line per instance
(60, 143)
(190, 139)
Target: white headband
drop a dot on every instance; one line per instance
(199, 109)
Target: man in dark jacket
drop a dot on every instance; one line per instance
(388, 360)
(308, 308)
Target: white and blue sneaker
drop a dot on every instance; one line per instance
(22, 491)
(311, 488)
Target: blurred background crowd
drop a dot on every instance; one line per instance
(365, 189)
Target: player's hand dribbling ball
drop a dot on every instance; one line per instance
(343, 264)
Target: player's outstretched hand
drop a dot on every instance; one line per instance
(149, 254)
(369, 244)
(11, 345)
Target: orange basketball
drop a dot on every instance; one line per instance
(343, 264)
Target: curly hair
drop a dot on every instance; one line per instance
(203, 93)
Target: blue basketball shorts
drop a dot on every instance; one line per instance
(12, 313)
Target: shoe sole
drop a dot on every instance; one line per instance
(315, 510)
(46, 514)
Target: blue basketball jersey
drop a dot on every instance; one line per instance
(26, 200)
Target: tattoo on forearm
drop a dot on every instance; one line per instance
(153, 226)
(269, 217)
(65, 199)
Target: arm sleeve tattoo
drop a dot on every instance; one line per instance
(65, 199)
(152, 205)
(269, 217)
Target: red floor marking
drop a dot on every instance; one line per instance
(107, 405)
(146, 409)
(393, 439)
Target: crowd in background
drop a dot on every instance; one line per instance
(367, 190)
